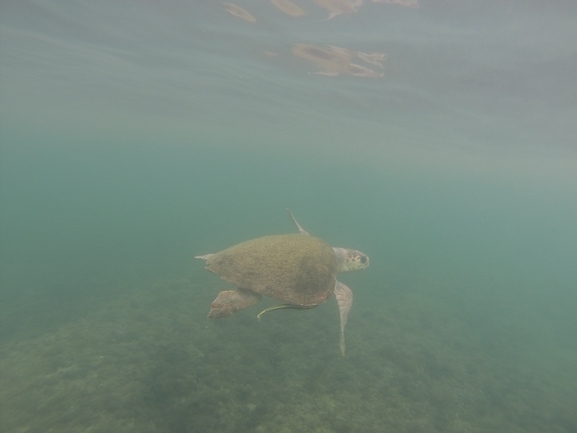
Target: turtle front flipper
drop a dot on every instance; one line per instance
(230, 301)
(344, 297)
(298, 226)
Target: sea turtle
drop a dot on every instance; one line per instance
(297, 269)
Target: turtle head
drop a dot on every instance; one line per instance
(350, 260)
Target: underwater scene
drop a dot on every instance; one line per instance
(426, 149)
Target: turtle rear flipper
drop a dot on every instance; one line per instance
(230, 301)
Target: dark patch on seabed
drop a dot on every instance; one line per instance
(150, 361)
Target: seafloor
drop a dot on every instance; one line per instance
(143, 357)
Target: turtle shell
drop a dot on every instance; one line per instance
(295, 269)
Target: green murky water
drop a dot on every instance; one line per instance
(136, 136)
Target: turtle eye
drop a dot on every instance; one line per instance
(363, 259)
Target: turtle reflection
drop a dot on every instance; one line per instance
(334, 61)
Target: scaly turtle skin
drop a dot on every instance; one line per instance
(298, 270)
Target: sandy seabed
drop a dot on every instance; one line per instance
(148, 360)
